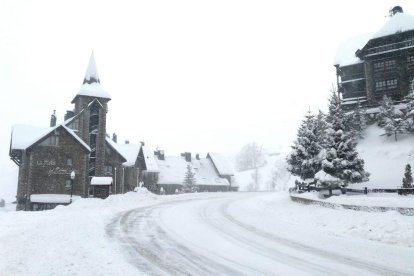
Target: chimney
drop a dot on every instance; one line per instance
(198, 156)
(187, 156)
(126, 141)
(395, 10)
(159, 154)
(69, 114)
(114, 137)
(53, 119)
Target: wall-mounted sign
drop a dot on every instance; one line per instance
(61, 171)
(44, 163)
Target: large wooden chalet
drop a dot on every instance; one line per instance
(373, 65)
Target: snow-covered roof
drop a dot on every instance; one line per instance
(52, 198)
(222, 165)
(91, 84)
(24, 136)
(130, 152)
(149, 160)
(92, 71)
(93, 90)
(115, 146)
(172, 170)
(345, 54)
(101, 180)
(400, 22)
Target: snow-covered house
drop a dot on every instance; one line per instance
(382, 63)
(62, 159)
(160, 173)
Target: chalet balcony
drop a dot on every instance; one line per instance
(390, 48)
(354, 95)
(347, 78)
(353, 80)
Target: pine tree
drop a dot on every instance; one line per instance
(321, 125)
(358, 120)
(304, 160)
(391, 119)
(408, 177)
(341, 158)
(189, 181)
(409, 111)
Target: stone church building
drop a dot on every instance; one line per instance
(74, 158)
(78, 159)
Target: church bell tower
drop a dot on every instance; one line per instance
(91, 106)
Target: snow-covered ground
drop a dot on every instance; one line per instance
(204, 234)
(385, 158)
(69, 240)
(275, 164)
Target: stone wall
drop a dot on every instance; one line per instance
(45, 169)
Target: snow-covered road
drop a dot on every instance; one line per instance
(248, 234)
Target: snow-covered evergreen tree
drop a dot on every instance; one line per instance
(341, 161)
(391, 119)
(320, 124)
(409, 111)
(408, 177)
(304, 159)
(358, 120)
(189, 181)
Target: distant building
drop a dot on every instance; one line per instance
(165, 174)
(75, 157)
(373, 65)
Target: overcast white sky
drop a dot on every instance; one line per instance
(193, 76)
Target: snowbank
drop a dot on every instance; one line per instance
(275, 212)
(58, 241)
(370, 200)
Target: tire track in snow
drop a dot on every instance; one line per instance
(153, 251)
(264, 249)
(334, 257)
(157, 249)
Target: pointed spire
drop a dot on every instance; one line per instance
(91, 75)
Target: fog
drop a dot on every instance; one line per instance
(193, 76)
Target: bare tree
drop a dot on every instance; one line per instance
(256, 179)
(250, 157)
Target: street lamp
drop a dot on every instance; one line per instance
(72, 177)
